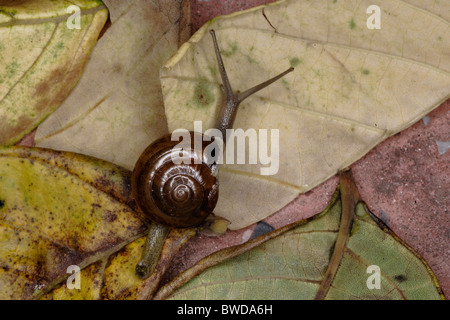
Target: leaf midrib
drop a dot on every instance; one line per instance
(56, 20)
(74, 176)
(246, 279)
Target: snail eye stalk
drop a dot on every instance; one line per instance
(171, 195)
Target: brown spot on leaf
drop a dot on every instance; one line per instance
(120, 191)
(8, 132)
(203, 96)
(401, 278)
(53, 90)
(117, 68)
(109, 216)
(43, 88)
(42, 104)
(13, 3)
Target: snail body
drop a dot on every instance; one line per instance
(183, 195)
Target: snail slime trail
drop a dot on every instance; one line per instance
(184, 192)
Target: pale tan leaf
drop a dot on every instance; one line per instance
(41, 58)
(352, 88)
(116, 110)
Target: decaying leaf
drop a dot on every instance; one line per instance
(91, 283)
(120, 279)
(352, 88)
(42, 58)
(335, 255)
(57, 210)
(114, 278)
(116, 110)
(60, 209)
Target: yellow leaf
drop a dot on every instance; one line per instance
(58, 210)
(91, 281)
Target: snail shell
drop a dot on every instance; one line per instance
(182, 195)
(177, 195)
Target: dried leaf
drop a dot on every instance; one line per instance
(57, 210)
(352, 88)
(91, 282)
(120, 279)
(325, 257)
(116, 110)
(117, 279)
(42, 59)
(60, 209)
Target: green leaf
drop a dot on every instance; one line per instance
(42, 59)
(352, 88)
(325, 257)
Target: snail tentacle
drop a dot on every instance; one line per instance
(228, 110)
(184, 194)
(244, 95)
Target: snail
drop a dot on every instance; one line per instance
(182, 195)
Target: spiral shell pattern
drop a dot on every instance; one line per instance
(177, 195)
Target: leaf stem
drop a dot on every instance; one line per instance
(349, 199)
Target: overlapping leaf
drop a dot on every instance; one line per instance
(116, 110)
(58, 210)
(352, 87)
(115, 278)
(309, 263)
(368, 90)
(41, 58)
